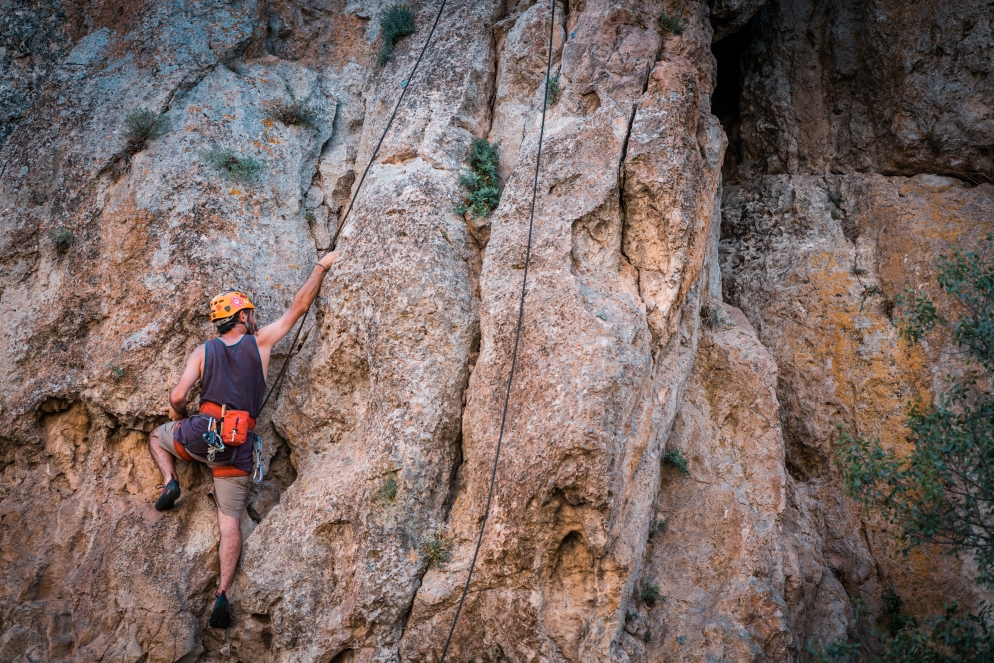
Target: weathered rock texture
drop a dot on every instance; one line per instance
(887, 86)
(382, 439)
(861, 155)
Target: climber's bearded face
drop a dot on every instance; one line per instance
(250, 325)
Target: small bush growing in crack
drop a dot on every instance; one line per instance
(388, 489)
(62, 239)
(671, 23)
(647, 636)
(651, 593)
(117, 371)
(712, 319)
(395, 24)
(658, 527)
(481, 179)
(858, 271)
(143, 125)
(233, 164)
(835, 199)
(631, 615)
(676, 458)
(552, 90)
(311, 219)
(292, 111)
(435, 548)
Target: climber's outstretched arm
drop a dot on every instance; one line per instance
(271, 334)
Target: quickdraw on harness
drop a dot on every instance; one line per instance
(215, 444)
(231, 427)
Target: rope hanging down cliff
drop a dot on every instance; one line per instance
(517, 337)
(405, 86)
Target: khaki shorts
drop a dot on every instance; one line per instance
(230, 493)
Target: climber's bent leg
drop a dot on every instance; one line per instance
(163, 457)
(156, 445)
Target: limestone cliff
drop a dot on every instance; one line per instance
(717, 244)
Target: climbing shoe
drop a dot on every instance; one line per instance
(221, 616)
(168, 497)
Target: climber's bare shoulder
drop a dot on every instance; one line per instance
(194, 369)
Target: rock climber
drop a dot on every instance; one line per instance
(232, 373)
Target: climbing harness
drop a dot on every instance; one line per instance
(517, 338)
(405, 86)
(224, 424)
(215, 444)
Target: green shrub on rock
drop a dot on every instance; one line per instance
(481, 180)
(233, 164)
(143, 125)
(395, 24)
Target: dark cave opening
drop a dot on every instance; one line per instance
(727, 96)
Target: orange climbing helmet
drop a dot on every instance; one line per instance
(228, 304)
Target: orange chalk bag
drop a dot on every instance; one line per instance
(234, 425)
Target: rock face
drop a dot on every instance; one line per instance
(380, 445)
(889, 87)
(857, 162)
(717, 550)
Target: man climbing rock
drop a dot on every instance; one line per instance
(232, 373)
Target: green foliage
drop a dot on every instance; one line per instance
(395, 24)
(671, 23)
(631, 615)
(233, 164)
(552, 90)
(62, 239)
(143, 125)
(918, 316)
(658, 526)
(943, 491)
(676, 458)
(858, 271)
(117, 371)
(311, 219)
(952, 637)
(651, 593)
(292, 111)
(892, 614)
(436, 549)
(840, 651)
(481, 179)
(647, 636)
(388, 489)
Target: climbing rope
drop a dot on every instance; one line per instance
(517, 338)
(405, 86)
